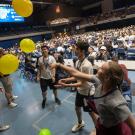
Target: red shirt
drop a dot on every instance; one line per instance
(124, 69)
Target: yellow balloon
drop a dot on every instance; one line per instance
(8, 64)
(27, 45)
(23, 8)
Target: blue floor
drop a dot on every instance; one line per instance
(28, 118)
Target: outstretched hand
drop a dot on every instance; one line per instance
(63, 83)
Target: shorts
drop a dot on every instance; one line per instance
(7, 83)
(79, 100)
(44, 83)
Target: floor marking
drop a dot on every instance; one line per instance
(73, 95)
(36, 127)
(67, 101)
(46, 114)
(43, 116)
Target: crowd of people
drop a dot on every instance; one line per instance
(112, 40)
(113, 15)
(107, 108)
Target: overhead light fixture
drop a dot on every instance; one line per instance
(57, 9)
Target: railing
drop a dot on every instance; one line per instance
(24, 35)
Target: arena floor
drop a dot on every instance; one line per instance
(28, 117)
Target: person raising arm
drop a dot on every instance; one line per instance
(114, 114)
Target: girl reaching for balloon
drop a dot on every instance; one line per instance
(114, 116)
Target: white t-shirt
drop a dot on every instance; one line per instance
(60, 49)
(87, 88)
(44, 63)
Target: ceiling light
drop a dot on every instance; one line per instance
(57, 9)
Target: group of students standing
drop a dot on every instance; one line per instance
(107, 107)
(99, 95)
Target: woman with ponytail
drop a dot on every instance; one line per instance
(113, 115)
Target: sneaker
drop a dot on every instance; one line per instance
(57, 101)
(78, 126)
(3, 128)
(14, 97)
(12, 105)
(43, 103)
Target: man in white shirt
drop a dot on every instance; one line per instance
(84, 88)
(47, 75)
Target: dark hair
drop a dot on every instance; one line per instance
(45, 46)
(60, 59)
(82, 45)
(115, 58)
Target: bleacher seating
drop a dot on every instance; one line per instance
(131, 54)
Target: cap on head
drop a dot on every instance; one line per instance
(103, 48)
(91, 47)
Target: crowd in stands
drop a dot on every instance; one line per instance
(17, 30)
(103, 45)
(118, 13)
(111, 39)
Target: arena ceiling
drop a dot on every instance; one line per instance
(84, 6)
(73, 9)
(75, 3)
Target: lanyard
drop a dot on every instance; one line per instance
(111, 91)
(79, 64)
(46, 62)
